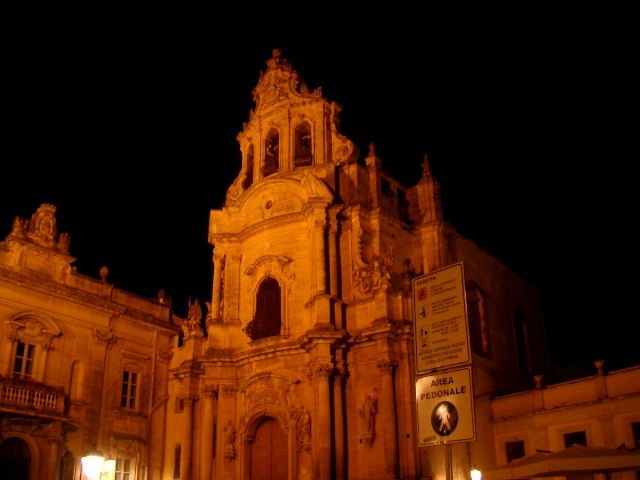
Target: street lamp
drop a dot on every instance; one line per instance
(92, 463)
(475, 473)
(109, 465)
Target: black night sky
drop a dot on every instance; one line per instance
(131, 132)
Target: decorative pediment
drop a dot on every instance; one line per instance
(34, 325)
(267, 388)
(276, 266)
(280, 83)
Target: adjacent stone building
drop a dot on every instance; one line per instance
(82, 363)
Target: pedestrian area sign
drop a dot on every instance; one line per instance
(445, 407)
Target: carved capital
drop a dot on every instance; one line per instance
(106, 339)
(303, 428)
(188, 400)
(210, 391)
(386, 365)
(165, 354)
(229, 391)
(319, 370)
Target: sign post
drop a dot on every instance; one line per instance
(444, 395)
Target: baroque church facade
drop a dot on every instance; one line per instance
(305, 367)
(301, 365)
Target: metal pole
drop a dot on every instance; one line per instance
(449, 463)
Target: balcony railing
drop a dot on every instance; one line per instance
(29, 395)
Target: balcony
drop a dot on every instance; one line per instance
(28, 395)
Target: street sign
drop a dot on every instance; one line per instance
(440, 311)
(444, 403)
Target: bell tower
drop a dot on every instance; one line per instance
(290, 129)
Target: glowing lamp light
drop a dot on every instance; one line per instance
(109, 465)
(92, 463)
(475, 473)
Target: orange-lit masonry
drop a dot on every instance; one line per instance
(301, 364)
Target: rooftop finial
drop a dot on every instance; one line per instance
(426, 168)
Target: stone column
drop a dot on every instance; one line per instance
(322, 372)
(54, 436)
(320, 249)
(338, 422)
(217, 286)
(387, 408)
(208, 420)
(226, 445)
(333, 254)
(5, 357)
(187, 435)
(232, 277)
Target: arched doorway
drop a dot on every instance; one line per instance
(269, 459)
(15, 458)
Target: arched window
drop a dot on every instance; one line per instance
(248, 178)
(521, 337)
(67, 463)
(272, 153)
(478, 321)
(267, 321)
(303, 145)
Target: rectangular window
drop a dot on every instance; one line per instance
(635, 431)
(522, 342)
(129, 390)
(123, 468)
(514, 450)
(575, 438)
(23, 361)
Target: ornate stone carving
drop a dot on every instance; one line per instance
(191, 326)
(106, 339)
(188, 399)
(319, 370)
(279, 83)
(303, 428)
(41, 229)
(229, 390)
(276, 265)
(210, 391)
(376, 275)
(387, 366)
(265, 396)
(229, 441)
(54, 431)
(367, 412)
(165, 354)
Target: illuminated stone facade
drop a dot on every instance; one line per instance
(300, 365)
(81, 362)
(308, 335)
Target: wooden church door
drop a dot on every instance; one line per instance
(269, 459)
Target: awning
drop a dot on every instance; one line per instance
(574, 460)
